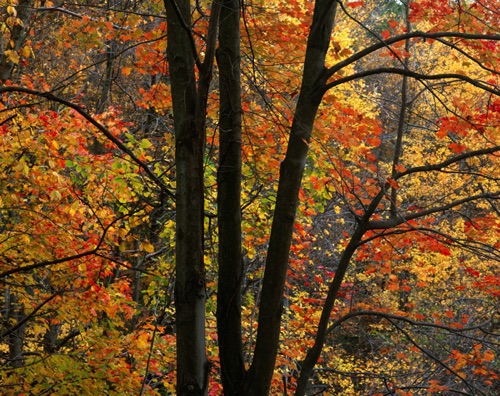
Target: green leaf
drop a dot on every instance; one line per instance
(145, 143)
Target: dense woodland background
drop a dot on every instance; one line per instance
(265, 197)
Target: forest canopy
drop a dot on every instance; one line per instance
(249, 197)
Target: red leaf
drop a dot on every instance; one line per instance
(473, 272)
(444, 250)
(393, 24)
(354, 4)
(457, 148)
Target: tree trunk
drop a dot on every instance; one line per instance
(14, 315)
(192, 367)
(258, 379)
(228, 200)
(315, 352)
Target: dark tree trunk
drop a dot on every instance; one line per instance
(189, 107)
(190, 277)
(228, 200)
(15, 314)
(258, 379)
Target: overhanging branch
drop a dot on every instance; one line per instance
(417, 76)
(118, 143)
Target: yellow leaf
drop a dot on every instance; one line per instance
(143, 341)
(122, 232)
(147, 247)
(55, 195)
(12, 56)
(11, 10)
(26, 51)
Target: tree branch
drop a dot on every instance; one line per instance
(402, 37)
(118, 143)
(394, 222)
(409, 73)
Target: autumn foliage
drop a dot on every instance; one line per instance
(376, 148)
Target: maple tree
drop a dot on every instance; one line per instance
(249, 199)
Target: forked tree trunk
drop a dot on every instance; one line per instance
(190, 108)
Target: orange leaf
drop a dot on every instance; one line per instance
(400, 168)
(442, 133)
(393, 24)
(126, 70)
(488, 356)
(393, 183)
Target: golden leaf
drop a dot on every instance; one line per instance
(12, 56)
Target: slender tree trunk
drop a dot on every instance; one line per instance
(190, 277)
(322, 332)
(398, 149)
(315, 352)
(15, 314)
(107, 80)
(258, 379)
(228, 200)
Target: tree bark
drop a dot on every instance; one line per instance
(192, 365)
(258, 379)
(15, 313)
(228, 201)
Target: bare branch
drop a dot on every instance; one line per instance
(394, 222)
(402, 37)
(417, 76)
(453, 160)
